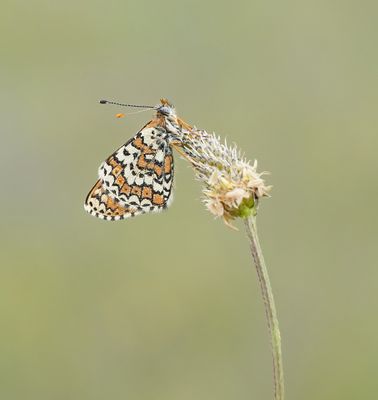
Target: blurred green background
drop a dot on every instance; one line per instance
(167, 306)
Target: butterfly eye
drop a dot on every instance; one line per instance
(165, 110)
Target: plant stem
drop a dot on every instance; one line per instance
(270, 308)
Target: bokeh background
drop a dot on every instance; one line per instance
(167, 306)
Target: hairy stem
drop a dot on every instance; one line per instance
(270, 308)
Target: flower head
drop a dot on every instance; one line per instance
(232, 186)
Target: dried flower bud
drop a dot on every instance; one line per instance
(232, 186)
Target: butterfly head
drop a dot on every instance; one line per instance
(166, 109)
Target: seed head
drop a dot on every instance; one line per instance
(231, 185)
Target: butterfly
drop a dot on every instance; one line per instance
(138, 177)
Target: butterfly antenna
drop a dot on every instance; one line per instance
(126, 105)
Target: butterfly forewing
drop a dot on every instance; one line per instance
(137, 178)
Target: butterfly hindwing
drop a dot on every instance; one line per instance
(140, 173)
(137, 178)
(99, 204)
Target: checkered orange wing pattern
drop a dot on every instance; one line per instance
(137, 178)
(99, 204)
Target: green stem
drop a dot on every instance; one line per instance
(270, 308)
